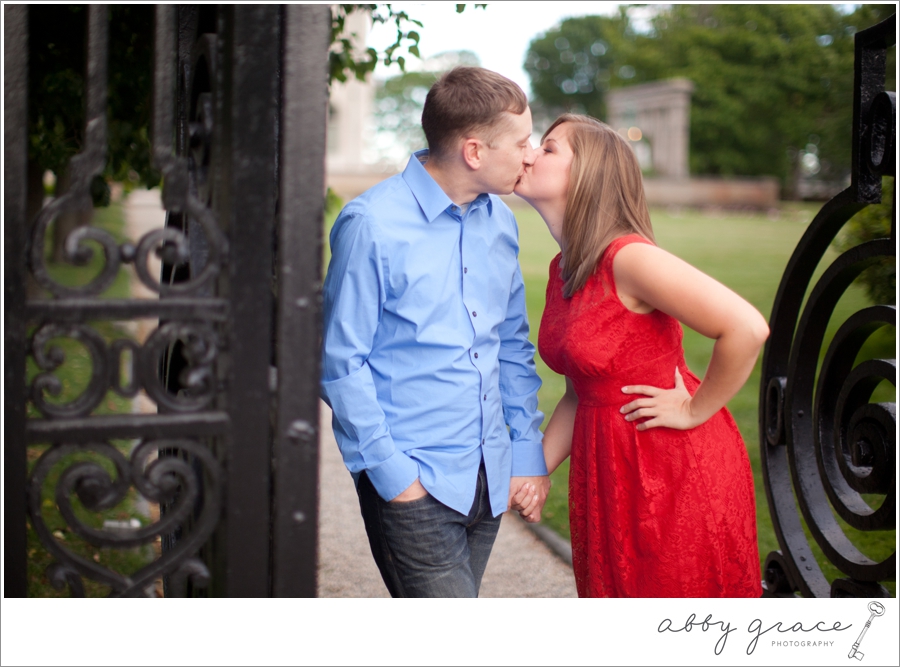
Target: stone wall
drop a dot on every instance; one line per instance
(758, 193)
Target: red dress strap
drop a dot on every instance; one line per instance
(617, 244)
(606, 261)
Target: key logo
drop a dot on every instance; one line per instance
(875, 609)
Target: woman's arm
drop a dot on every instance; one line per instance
(558, 434)
(557, 446)
(648, 277)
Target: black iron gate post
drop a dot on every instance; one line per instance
(300, 219)
(237, 400)
(15, 157)
(822, 441)
(245, 189)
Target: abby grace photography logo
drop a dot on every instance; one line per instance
(819, 635)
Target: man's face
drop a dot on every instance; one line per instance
(504, 160)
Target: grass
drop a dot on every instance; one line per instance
(748, 253)
(74, 374)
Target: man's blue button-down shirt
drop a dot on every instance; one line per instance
(426, 358)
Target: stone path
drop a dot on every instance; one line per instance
(521, 565)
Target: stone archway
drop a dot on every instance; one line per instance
(660, 113)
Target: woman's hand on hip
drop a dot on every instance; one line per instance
(661, 407)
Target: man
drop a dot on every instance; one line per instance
(426, 358)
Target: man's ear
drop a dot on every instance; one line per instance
(473, 152)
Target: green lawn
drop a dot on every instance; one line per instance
(748, 253)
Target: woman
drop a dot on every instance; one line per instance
(661, 500)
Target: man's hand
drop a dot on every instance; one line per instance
(413, 492)
(527, 495)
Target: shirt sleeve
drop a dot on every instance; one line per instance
(353, 298)
(519, 384)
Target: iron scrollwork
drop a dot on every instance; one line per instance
(823, 443)
(189, 490)
(199, 344)
(181, 474)
(169, 244)
(203, 358)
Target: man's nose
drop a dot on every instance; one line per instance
(530, 155)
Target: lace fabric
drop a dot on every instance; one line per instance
(656, 513)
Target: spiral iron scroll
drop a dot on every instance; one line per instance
(190, 489)
(199, 350)
(823, 443)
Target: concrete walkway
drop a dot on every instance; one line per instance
(521, 565)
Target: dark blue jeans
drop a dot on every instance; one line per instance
(425, 549)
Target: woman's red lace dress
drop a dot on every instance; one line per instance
(656, 513)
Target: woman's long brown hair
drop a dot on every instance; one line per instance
(605, 199)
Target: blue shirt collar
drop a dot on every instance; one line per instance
(431, 198)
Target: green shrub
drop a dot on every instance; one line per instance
(874, 222)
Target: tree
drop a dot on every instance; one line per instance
(770, 80)
(399, 102)
(343, 58)
(572, 67)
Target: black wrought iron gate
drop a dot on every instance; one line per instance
(823, 443)
(231, 363)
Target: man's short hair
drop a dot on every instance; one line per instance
(466, 100)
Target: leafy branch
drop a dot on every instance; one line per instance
(344, 60)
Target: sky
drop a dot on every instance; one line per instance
(498, 34)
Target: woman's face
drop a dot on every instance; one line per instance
(545, 184)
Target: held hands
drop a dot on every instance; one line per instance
(527, 495)
(665, 407)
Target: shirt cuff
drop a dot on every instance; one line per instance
(394, 475)
(528, 459)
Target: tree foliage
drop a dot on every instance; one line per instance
(56, 100)
(344, 60)
(874, 222)
(571, 67)
(770, 80)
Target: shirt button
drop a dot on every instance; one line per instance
(482, 441)
(485, 397)
(474, 314)
(465, 270)
(476, 355)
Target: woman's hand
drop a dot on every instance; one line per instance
(665, 407)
